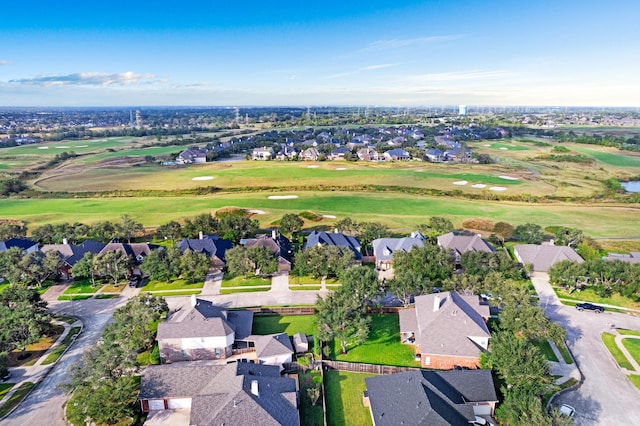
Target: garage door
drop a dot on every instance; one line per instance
(482, 410)
(156, 404)
(179, 403)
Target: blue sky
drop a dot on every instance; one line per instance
(401, 53)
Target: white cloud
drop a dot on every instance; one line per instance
(357, 71)
(397, 43)
(458, 76)
(5, 63)
(89, 79)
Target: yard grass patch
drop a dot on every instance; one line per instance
(243, 290)
(383, 347)
(82, 287)
(16, 398)
(305, 287)
(633, 346)
(344, 398)
(57, 352)
(173, 293)
(610, 342)
(546, 350)
(5, 388)
(290, 324)
(78, 297)
(304, 279)
(564, 351)
(180, 284)
(240, 281)
(635, 379)
(310, 415)
(627, 332)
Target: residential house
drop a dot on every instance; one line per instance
(633, 257)
(384, 249)
(460, 243)
(135, 251)
(27, 246)
(434, 398)
(368, 154)
(339, 153)
(316, 238)
(72, 253)
(263, 153)
(446, 329)
(542, 257)
(397, 154)
(286, 153)
(434, 155)
(310, 154)
(277, 244)
(272, 349)
(202, 331)
(192, 156)
(457, 153)
(201, 393)
(211, 245)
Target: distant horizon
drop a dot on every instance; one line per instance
(407, 53)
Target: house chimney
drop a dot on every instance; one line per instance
(436, 303)
(194, 301)
(335, 230)
(254, 388)
(65, 241)
(274, 234)
(201, 235)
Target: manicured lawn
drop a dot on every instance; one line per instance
(110, 288)
(635, 379)
(588, 295)
(4, 388)
(4, 285)
(290, 324)
(344, 398)
(566, 356)
(175, 293)
(610, 343)
(16, 398)
(628, 332)
(633, 346)
(68, 320)
(304, 279)
(35, 350)
(546, 350)
(383, 346)
(305, 287)
(57, 352)
(82, 287)
(612, 158)
(154, 285)
(240, 281)
(243, 290)
(310, 415)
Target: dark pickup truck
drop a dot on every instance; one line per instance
(589, 307)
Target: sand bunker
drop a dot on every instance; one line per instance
(81, 146)
(498, 188)
(487, 144)
(312, 167)
(281, 197)
(256, 211)
(43, 147)
(508, 177)
(329, 216)
(479, 185)
(504, 148)
(341, 168)
(63, 147)
(202, 178)
(460, 182)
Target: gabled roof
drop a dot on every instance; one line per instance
(633, 257)
(464, 243)
(272, 345)
(205, 320)
(211, 245)
(222, 394)
(542, 257)
(72, 253)
(279, 246)
(340, 150)
(384, 248)
(334, 239)
(131, 249)
(429, 397)
(444, 323)
(398, 153)
(21, 243)
(190, 154)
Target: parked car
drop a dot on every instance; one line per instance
(135, 280)
(590, 307)
(567, 410)
(6, 376)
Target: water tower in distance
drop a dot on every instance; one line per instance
(462, 110)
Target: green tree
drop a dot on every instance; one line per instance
(102, 231)
(290, 224)
(40, 266)
(12, 229)
(84, 268)
(529, 233)
(114, 264)
(406, 283)
(204, 223)
(503, 231)
(156, 264)
(194, 266)
(235, 228)
(568, 237)
(370, 231)
(170, 231)
(361, 283)
(340, 317)
(128, 228)
(24, 318)
(347, 226)
(10, 267)
(263, 260)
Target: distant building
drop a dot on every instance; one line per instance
(192, 156)
(462, 110)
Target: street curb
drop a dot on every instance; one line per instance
(44, 376)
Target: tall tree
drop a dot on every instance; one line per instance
(12, 229)
(503, 231)
(264, 261)
(128, 228)
(340, 317)
(40, 266)
(238, 261)
(347, 226)
(102, 231)
(170, 231)
(361, 283)
(290, 224)
(194, 266)
(10, 267)
(529, 233)
(114, 264)
(204, 223)
(24, 318)
(84, 268)
(235, 228)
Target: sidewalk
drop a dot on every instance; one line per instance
(625, 351)
(561, 368)
(36, 372)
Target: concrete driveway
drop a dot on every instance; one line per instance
(606, 397)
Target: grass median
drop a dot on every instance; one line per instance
(16, 398)
(610, 342)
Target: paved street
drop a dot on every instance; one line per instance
(606, 397)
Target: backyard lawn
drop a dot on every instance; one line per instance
(383, 347)
(310, 415)
(633, 346)
(344, 398)
(610, 342)
(290, 324)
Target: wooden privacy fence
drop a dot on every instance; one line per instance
(300, 310)
(365, 368)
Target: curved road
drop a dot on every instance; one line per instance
(606, 397)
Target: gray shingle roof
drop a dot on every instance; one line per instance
(384, 248)
(72, 253)
(335, 239)
(221, 394)
(464, 243)
(447, 329)
(16, 242)
(205, 320)
(272, 345)
(542, 257)
(429, 397)
(633, 257)
(211, 245)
